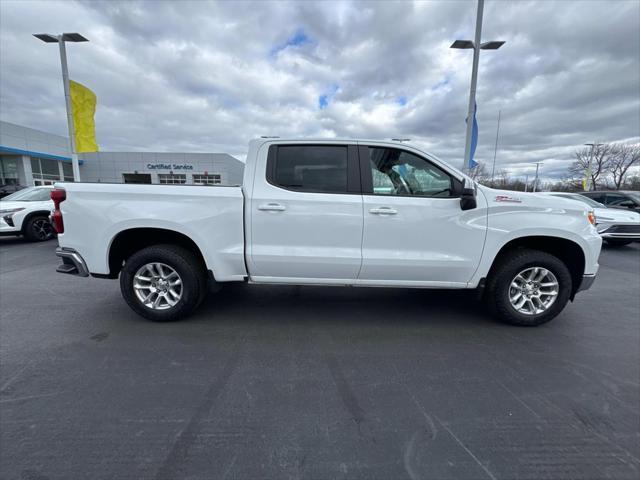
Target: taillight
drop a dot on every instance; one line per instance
(58, 196)
(592, 218)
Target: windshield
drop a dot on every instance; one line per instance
(32, 194)
(581, 198)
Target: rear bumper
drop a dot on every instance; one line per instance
(587, 281)
(72, 262)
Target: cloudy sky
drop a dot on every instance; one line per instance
(201, 76)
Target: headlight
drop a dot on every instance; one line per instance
(10, 211)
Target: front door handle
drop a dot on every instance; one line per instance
(383, 211)
(272, 207)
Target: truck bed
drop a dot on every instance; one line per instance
(211, 216)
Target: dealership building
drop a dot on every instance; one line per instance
(33, 157)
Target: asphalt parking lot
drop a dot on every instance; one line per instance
(288, 382)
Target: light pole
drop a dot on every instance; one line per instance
(495, 150)
(593, 146)
(535, 182)
(60, 40)
(477, 46)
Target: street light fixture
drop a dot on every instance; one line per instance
(60, 40)
(476, 45)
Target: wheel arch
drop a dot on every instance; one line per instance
(568, 251)
(30, 215)
(126, 242)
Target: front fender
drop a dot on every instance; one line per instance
(509, 223)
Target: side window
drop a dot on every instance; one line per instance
(311, 168)
(615, 199)
(397, 172)
(598, 197)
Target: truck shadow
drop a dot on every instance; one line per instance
(278, 304)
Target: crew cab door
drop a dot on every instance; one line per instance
(415, 232)
(306, 214)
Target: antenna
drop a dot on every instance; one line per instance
(401, 140)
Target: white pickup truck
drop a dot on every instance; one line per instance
(330, 212)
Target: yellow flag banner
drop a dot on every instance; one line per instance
(83, 105)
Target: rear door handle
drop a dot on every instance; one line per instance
(383, 211)
(272, 207)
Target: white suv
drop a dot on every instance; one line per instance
(26, 212)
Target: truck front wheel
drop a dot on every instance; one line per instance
(163, 282)
(528, 287)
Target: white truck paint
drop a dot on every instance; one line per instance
(263, 232)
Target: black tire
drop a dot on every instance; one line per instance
(38, 229)
(186, 264)
(507, 268)
(618, 243)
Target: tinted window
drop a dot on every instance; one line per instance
(312, 168)
(616, 199)
(396, 172)
(598, 197)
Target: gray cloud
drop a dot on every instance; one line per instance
(201, 76)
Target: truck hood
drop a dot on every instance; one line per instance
(530, 199)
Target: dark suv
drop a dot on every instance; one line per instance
(616, 199)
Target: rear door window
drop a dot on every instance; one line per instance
(310, 168)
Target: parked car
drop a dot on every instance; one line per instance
(8, 189)
(26, 212)
(330, 212)
(616, 227)
(624, 199)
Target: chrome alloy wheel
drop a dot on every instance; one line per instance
(157, 286)
(533, 291)
(42, 229)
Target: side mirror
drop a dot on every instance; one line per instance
(468, 199)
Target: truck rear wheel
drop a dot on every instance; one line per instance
(163, 282)
(528, 288)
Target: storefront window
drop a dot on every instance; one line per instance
(212, 179)
(8, 171)
(172, 178)
(67, 168)
(45, 171)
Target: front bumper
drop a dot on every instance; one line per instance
(72, 262)
(587, 281)
(7, 227)
(621, 232)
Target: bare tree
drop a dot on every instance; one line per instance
(479, 173)
(632, 182)
(600, 156)
(623, 157)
